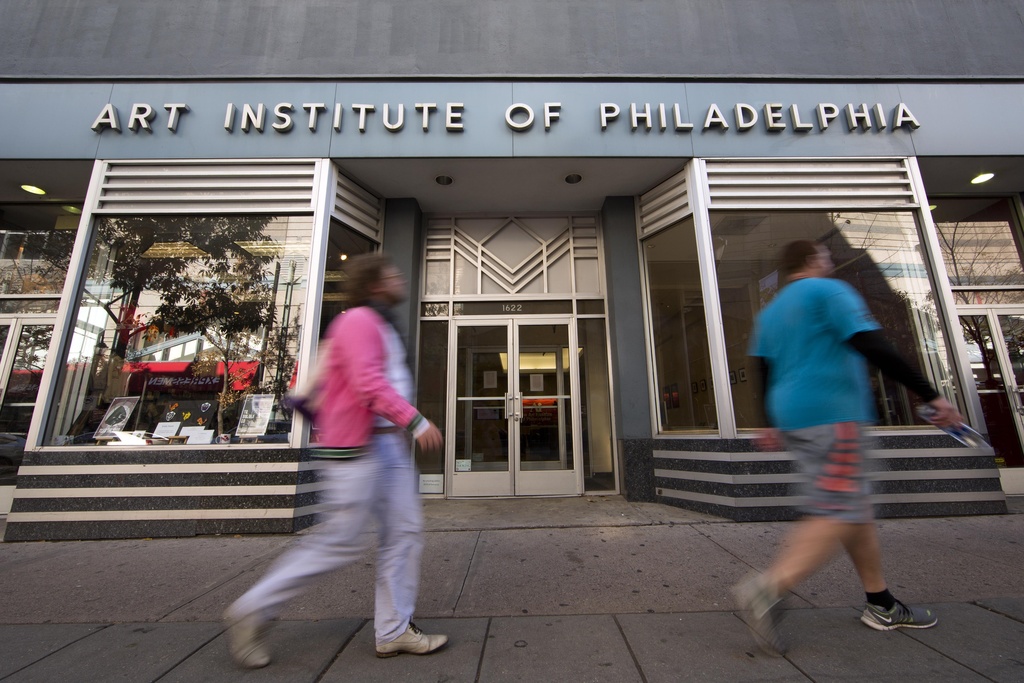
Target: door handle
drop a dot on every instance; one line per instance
(1015, 397)
(517, 407)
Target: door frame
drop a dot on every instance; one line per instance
(17, 322)
(1012, 478)
(515, 482)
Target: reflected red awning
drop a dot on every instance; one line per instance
(177, 376)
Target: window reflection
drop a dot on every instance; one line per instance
(35, 248)
(183, 324)
(980, 248)
(877, 253)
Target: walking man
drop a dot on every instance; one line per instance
(811, 341)
(363, 411)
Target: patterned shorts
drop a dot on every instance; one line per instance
(831, 461)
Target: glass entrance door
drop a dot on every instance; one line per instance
(24, 346)
(515, 424)
(995, 343)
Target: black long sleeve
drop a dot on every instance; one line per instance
(876, 348)
(761, 371)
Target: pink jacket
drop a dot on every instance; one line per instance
(354, 387)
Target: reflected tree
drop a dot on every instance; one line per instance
(208, 275)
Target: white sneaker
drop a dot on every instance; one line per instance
(413, 641)
(246, 640)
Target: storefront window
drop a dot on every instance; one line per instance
(686, 394)
(878, 253)
(981, 249)
(186, 331)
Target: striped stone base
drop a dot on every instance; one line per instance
(109, 493)
(913, 476)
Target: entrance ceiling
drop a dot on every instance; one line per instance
(510, 185)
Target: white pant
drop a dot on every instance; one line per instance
(382, 483)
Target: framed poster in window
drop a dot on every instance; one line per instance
(255, 415)
(116, 417)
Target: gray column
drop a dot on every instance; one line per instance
(625, 315)
(403, 242)
(629, 359)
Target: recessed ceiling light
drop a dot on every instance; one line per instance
(932, 207)
(32, 189)
(444, 180)
(982, 177)
(72, 209)
(573, 178)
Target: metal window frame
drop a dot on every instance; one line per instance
(321, 172)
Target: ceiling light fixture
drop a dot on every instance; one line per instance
(932, 207)
(982, 178)
(73, 210)
(444, 180)
(32, 189)
(573, 178)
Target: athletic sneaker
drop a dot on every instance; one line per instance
(900, 616)
(758, 600)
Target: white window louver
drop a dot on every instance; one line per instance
(357, 208)
(207, 186)
(738, 184)
(665, 204)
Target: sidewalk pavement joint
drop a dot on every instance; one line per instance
(555, 589)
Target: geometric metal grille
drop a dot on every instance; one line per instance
(512, 255)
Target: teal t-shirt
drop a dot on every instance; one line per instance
(814, 377)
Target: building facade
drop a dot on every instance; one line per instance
(588, 199)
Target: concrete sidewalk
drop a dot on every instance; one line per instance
(584, 589)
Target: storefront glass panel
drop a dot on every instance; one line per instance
(186, 331)
(981, 249)
(432, 395)
(595, 407)
(35, 249)
(686, 394)
(343, 243)
(878, 253)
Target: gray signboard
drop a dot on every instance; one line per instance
(505, 119)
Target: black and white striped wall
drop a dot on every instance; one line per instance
(113, 493)
(913, 476)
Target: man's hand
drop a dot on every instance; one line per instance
(769, 440)
(430, 440)
(946, 415)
